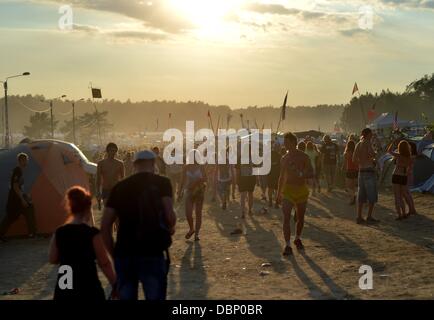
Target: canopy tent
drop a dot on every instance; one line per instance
(386, 120)
(53, 168)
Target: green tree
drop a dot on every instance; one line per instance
(424, 87)
(40, 126)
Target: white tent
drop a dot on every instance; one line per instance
(386, 120)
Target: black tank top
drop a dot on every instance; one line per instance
(75, 247)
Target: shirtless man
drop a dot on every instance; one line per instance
(364, 155)
(109, 172)
(295, 170)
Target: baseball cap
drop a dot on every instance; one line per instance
(145, 155)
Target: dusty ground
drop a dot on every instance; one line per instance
(222, 266)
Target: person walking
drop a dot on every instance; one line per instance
(77, 245)
(194, 178)
(295, 169)
(18, 202)
(109, 172)
(143, 204)
(330, 158)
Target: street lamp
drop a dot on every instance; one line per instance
(51, 113)
(6, 111)
(73, 120)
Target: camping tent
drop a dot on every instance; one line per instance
(386, 120)
(428, 151)
(53, 168)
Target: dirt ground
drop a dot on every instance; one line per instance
(223, 266)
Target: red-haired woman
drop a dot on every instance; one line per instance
(400, 175)
(75, 246)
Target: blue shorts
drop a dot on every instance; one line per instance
(367, 187)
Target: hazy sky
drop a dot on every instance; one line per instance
(232, 52)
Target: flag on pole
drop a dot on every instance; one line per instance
(283, 112)
(96, 93)
(395, 122)
(355, 88)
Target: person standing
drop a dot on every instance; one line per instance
(295, 169)
(143, 204)
(351, 171)
(78, 245)
(313, 155)
(109, 172)
(407, 194)
(224, 180)
(330, 158)
(194, 178)
(128, 163)
(159, 162)
(402, 160)
(364, 156)
(18, 201)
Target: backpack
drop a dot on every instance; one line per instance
(152, 230)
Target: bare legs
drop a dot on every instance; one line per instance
(197, 207)
(300, 210)
(249, 196)
(399, 191)
(351, 189)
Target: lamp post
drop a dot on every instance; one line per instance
(6, 111)
(51, 114)
(73, 120)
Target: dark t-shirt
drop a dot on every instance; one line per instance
(330, 152)
(14, 204)
(125, 199)
(75, 246)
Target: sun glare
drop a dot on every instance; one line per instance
(209, 16)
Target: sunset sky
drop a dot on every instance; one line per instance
(232, 52)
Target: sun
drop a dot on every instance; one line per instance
(208, 16)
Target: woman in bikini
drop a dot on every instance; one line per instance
(400, 175)
(194, 179)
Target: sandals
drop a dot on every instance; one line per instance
(189, 234)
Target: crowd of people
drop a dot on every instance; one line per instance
(138, 190)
